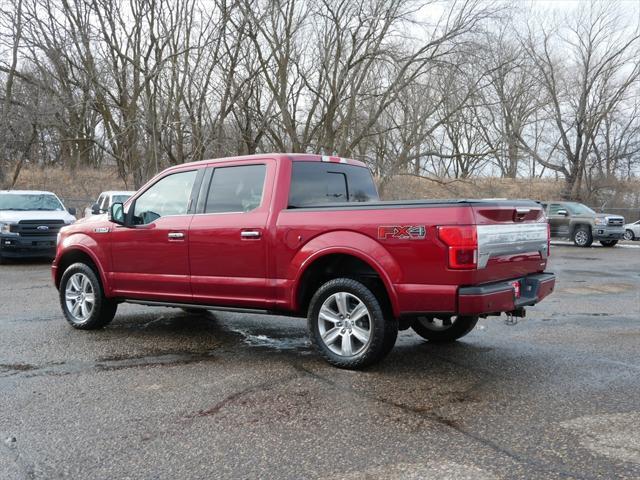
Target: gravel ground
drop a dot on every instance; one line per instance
(164, 394)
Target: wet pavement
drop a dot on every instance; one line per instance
(164, 394)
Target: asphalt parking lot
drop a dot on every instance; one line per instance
(163, 394)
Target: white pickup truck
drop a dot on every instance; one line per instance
(29, 223)
(105, 200)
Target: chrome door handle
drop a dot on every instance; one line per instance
(250, 234)
(175, 235)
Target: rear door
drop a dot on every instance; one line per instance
(228, 238)
(150, 259)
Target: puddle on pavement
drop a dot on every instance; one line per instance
(283, 344)
(16, 367)
(103, 364)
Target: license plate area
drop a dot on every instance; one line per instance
(42, 244)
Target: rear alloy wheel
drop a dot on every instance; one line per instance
(608, 243)
(628, 235)
(444, 329)
(347, 324)
(582, 237)
(83, 303)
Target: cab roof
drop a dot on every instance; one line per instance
(291, 157)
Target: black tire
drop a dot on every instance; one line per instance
(608, 243)
(103, 309)
(382, 329)
(628, 235)
(582, 236)
(460, 326)
(2, 260)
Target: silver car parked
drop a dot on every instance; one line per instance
(632, 231)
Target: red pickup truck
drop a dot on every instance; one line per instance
(306, 235)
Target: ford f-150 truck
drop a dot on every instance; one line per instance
(306, 235)
(29, 223)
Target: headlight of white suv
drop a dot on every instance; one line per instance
(601, 221)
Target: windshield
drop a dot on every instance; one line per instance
(579, 209)
(29, 201)
(120, 198)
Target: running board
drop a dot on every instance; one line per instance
(196, 306)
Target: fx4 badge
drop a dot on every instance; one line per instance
(402, 232)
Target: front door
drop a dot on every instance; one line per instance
(228, 239)
(150, 258)
(558, 223)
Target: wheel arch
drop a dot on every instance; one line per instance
(79, 254)
(577, 225)
(343, 261)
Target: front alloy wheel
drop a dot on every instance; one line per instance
(628, 235)
(582, 237)
(82, 299)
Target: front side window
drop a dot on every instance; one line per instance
(236, 189)
(554, 208)
(29, 201)
(579, 209)
(168, 196)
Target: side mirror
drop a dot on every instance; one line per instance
(72, 211)
(116, 213)
(95, 209)
(564, 213)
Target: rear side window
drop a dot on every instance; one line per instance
(314, 183)
(236, 189)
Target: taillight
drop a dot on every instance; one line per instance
(462, 241)
(516, 288)
(548, 239)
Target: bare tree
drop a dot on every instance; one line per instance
(586, 71)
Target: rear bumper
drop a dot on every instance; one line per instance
(16, 246)
(500, 296)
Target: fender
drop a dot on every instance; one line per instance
(350, 243)
(94, 250)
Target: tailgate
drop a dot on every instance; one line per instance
(512, 239)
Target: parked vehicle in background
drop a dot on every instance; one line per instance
(29, 223)
(306, 235)
(632, 231)
(582, 225)
(105, 200)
